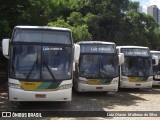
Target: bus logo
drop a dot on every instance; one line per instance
(29, 84)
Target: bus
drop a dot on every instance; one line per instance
(136, 72)
(40, 63)
(156, 69)
(98, 67)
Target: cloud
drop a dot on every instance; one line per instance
(155, 2)
(152, 2)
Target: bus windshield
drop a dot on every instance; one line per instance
(137, 66)
(35, 62)
(99, 65)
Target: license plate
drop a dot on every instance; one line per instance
(138, 84)
(40, 95)
(99, 87)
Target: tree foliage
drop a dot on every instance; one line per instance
(76, 23)
(105, 20)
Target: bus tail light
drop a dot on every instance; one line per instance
(16, 86)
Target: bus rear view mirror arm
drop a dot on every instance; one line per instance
(5, 47)
(76, 52)
(121, 58)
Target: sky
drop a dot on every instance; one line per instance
(145, 3)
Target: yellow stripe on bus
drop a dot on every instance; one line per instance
(93, 81)
(30, 85)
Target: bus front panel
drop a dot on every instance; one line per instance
(136, 72)
(41, 62)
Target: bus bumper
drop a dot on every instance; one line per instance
(21, 95)
(97, 88)
(156, 82)
(126, 84)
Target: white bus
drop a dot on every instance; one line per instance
(136, 72)
(40, 63)
(156, 69)
(98, 67)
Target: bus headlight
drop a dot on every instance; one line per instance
(124, 79)
(16, 86)
(150, 79)
(62, 87)
(82, 81)
(114, 81)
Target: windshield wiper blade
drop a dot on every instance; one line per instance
(49, 71)
(13, 68)
(30, 71)
(133, 71)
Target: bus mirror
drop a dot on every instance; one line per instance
(121, 58)
(5, 47)
(155, 60)
(76, 52)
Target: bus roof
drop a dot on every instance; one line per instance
(154, 51)
(132, 47)
(42, 27)
(95, 42)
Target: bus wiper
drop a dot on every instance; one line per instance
(30, 71)
(133, 71)
(144, 73)
(13, 68)
(49, 70)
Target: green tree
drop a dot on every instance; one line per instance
(134, 6)
(79, 31)
(106, 20)
(105, 16)
(10, 15)
(37, 13)
(137, 29)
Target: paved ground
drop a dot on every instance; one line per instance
(124, 100)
